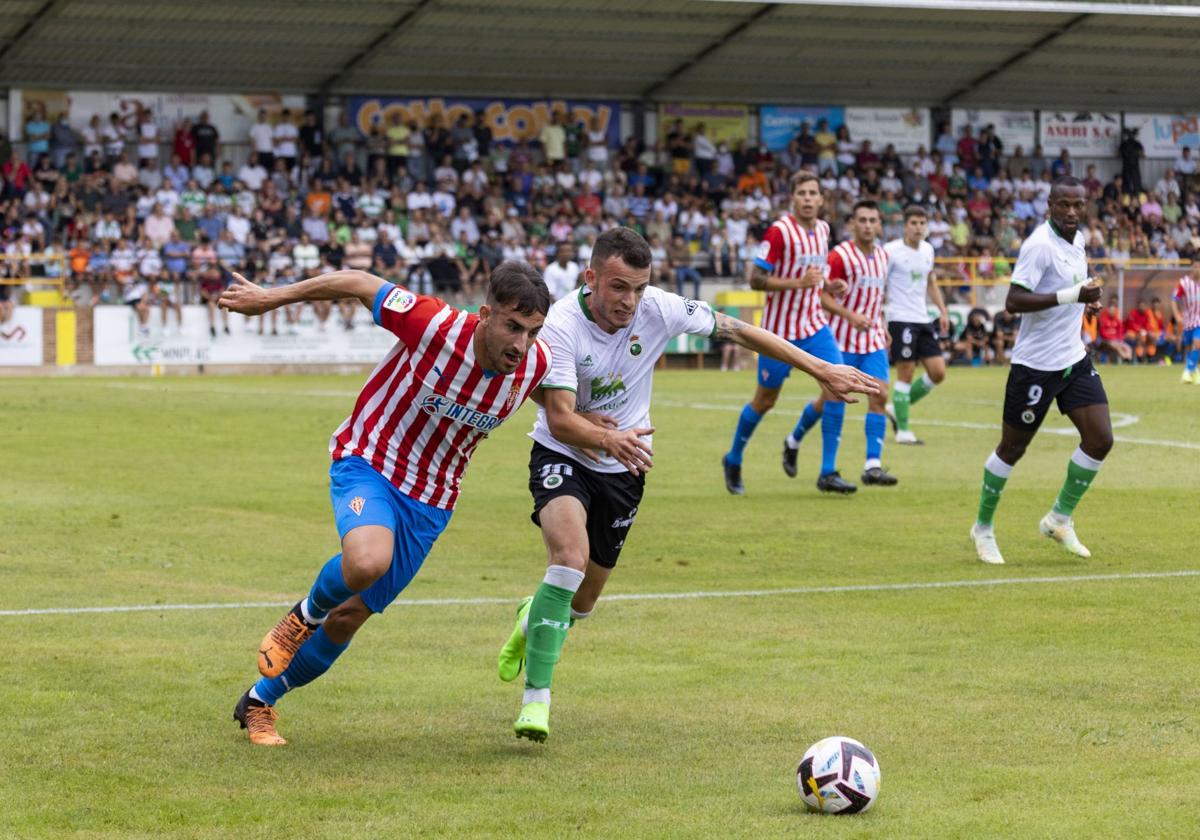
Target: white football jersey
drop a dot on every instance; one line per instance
(613, 374)
(908, 281)
(1050, 339)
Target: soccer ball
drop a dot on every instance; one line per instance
(838, 775)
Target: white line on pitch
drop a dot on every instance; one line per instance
(648, 596)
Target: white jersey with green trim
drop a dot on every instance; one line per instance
(1052, 338)
(908, 281)
(612, 373)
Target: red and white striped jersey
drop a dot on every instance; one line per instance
(429, 403)
(866, 276)
(1187, 294)
(787, 250)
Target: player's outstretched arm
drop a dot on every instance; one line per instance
(248, 299)
(840, 380)
(1022, 300)
(575, 429)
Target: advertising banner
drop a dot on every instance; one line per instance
(231, 114)
(779, 124)
(1083, 134)
(1014, 128)
(511, 120)
(904, 128)
(722, 123)
(21, 337)
(118, 340)
(1166, 135)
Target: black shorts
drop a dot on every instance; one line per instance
(913, 341)
(1029, 392)
(610, 499)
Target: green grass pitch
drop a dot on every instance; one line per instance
(1032, 710)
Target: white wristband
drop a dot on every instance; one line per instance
(1069, 295)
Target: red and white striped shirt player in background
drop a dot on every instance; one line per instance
(1186, 304)
(790, 268)
(856, 319)
(451, 378)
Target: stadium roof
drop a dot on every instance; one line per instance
(1051, 54)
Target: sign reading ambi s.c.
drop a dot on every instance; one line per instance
(511, 120)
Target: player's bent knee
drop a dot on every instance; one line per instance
(366, 555)
(1098, 445)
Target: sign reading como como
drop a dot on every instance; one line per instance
(511, 120)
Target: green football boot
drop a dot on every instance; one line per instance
(512, 655)
(533, 722)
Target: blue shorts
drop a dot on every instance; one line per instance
(361, 496)
(821, 344)
(874, 363)
(1191, 335)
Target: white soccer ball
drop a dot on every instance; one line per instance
(838, 775)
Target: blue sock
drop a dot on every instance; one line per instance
(876, 428)
(808, 419)
(1193, 357)
(831, 435)
(329, 589)
(741, 435)
(311, 661)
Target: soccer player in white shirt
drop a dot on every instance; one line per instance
(913, 337)
(1050, 289)
(592, 443)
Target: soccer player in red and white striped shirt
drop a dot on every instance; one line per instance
(790, 268)
(856, 319)
(1186, 305)
(451, 378)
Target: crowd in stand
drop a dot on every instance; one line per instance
(135, 217)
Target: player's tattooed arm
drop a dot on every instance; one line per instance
(758, 278)
(840, 380)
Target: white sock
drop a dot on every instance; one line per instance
(927, 381)
(791, 442)
(903, 387)
(536, 695)
(304, 611)
(1085, 460)
(254, 696)
(872, 462)
(525, 625)
(1058, 518)
(997, 467)
(564, 577)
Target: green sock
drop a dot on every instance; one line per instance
(900, 403)
(549, 619)
(920, 388)
(995, 476)
(1081, 471)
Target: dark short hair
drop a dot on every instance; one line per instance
(864, 204)
(1063, 182)
(519, 285)
(915, 210)
(801, 176)
(622, 242)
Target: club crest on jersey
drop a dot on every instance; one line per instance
(356, 505)
(436, 405)
(635, 348)
(511, 399)
(400, 300)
